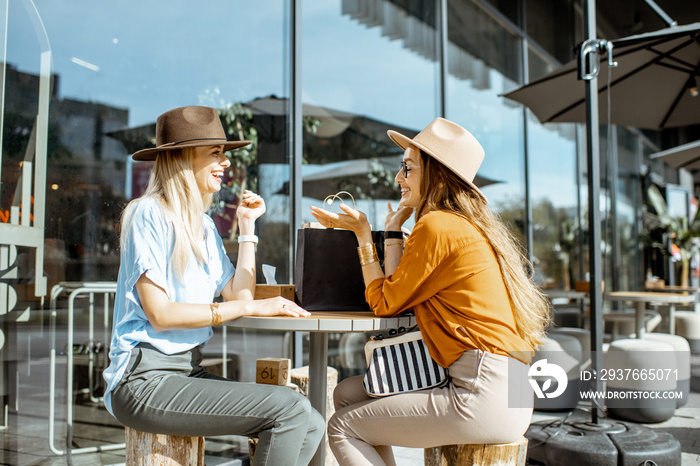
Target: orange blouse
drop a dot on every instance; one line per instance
(450, 277)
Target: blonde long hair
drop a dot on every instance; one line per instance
(442, 190)
(173, 185)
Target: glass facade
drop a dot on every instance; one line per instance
(84, 81)
(479, 71)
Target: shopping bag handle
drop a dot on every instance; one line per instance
(331, 199)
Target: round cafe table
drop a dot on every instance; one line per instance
(640, 298)
(695, 291)
(319, 325)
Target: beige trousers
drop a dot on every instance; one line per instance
(472, 408)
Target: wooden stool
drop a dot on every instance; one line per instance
(144, 449)
(506, 454)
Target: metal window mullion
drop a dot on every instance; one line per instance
(525, 78)
(639, 201)
(296, 149)
(613, 219)
(295, 132)
(3, 75)
(442, 42)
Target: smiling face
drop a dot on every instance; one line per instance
(208, 166)
(411, 181)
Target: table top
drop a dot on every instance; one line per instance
(324, 321)
(649, 296)
(618, 316)
(676, 289)
(571, 294)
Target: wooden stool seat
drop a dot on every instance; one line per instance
(144, 449)
(506, 454)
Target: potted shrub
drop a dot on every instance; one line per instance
(680, 231)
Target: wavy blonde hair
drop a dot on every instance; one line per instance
(173, 185)
(442, 190)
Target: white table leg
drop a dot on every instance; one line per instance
(318, 383)
(639, 319)
(671, 319)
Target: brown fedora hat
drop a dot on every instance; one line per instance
(188, 127)
(449, 144)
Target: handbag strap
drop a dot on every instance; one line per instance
(331, 199)
(394, 332)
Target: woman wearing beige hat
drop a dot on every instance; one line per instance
(465, 278)
(173, 265)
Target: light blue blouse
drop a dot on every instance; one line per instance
(147, 248)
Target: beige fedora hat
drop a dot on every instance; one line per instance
(449, 144)
(188, 127)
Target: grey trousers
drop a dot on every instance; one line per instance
(173, 395)
(472, 408)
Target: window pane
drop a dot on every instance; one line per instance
(553, 193)
(484, 62)
(385, 78)
(559, 34)
(630, 271)
(114, 73)
(116, 66)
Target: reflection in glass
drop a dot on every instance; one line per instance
(537, 64)
(489, 60)
(562, 20)
(630, 270)
(109, 89)
(553, 197)
(346, 147)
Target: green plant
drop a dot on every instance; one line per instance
(680, 231)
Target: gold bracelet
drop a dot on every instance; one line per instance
(368, 254)
(216, 319)
(391, 242)
(400, 243)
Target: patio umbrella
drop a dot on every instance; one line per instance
(686, 156)
(654, 85)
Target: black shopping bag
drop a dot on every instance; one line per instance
(328, 275)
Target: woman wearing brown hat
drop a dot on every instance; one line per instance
(173, 265)
(464, 276)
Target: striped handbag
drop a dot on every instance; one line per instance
(400, 364)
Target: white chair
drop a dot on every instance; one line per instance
(681, 350)
(564, 351)
(621, 323)
(632, 395)
(688, 326)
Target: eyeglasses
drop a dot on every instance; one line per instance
(406, 168)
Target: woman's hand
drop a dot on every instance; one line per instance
(277, 306)
(396, 218)
(251, 208)
(351, 219)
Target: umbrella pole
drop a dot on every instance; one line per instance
(594, 236)
(598, 441)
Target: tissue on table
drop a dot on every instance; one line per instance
(272, 289)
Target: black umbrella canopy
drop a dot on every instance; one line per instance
(654, 85)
